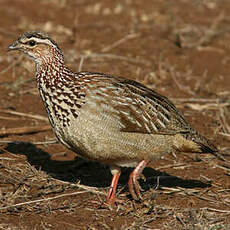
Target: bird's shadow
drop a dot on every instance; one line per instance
(93, 173)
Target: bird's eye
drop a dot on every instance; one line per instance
(31, 43)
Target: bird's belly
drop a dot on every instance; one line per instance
(102, 142)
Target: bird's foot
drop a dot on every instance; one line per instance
(134, 187)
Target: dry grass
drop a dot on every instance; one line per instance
(24, 189)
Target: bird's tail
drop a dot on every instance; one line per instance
(207, 147)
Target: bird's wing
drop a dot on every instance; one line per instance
(138, 108)
(149, 112)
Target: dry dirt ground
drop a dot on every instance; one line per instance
(179, 48)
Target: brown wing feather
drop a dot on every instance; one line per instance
(140, 109)
(155, 113)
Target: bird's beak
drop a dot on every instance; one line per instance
(14, 46)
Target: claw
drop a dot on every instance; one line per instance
(134, 187)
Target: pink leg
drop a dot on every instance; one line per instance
(116, 172)
(134, 187)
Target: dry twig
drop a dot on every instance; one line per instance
(37, 117)
(206, 106)
(24, 130)
(122, 40)
(223, 120)
(114, 56)
(215, 210)
(42, 200)
(48, 142)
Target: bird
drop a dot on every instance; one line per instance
(108, 119)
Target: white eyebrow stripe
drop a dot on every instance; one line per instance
(38, 40)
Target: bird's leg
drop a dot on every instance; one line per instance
(116, 172)
(134, 187)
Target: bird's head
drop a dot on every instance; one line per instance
(38, 46)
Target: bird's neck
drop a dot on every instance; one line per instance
(50, 66)
(49, 72)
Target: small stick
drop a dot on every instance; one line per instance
(55, 141)
(9, 118)
(38, 117)
(222, 167)
(225, 134)
(31, 90)
(81, 63)
(87, 188)
(42, 200)
(114, 56)
(24, 130)
(172, 166)
(208, 106)
(224, 120)
(117, 43)
(215, 210)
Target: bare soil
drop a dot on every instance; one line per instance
(178, 48)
